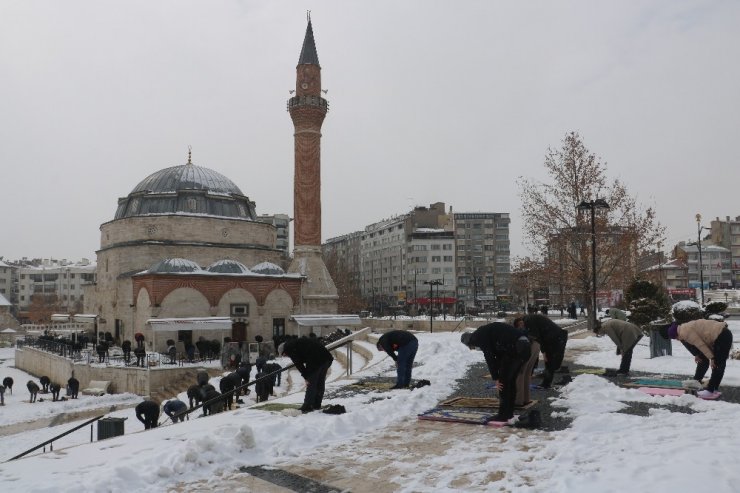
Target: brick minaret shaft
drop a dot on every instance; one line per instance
(307, 110)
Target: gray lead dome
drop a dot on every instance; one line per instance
(186, 189)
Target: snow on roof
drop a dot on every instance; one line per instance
(327, 319)
(4, 301)
(268, 268)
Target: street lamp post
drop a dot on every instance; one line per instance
(701, 263)
(592, 205)
(433, 283)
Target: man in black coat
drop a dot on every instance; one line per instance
(175, 410)
(313, 360)
(505, 349)
(55, 388)
(74, 387)
(45, 381)
(8, 384)
(405, 344)
(33, 389)
(148, 413)
(226, 385)
(552, 341)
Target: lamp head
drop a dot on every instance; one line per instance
(601, 204)
(584, 206)
(698, 218)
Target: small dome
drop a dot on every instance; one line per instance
(170, 265)
(228, 267)
(268, 269)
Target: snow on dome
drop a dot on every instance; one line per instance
(228, 267)
(174, 265)
(268, 268)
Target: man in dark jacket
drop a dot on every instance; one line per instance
(405, 344)
(313, 360)
(552, 341)
(74, 387)
(175, 410)
(33, 389)
(505, 349)
(148, 413)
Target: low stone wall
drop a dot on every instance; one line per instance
(140, 381)
(422, 325)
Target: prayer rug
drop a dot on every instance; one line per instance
(458, 416)
(276, 406)
(373, 385)
(656, 382)
(480, 402)
(660, 392)
(592, 371)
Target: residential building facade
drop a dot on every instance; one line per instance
(727, 234)
(482, 262)
(715, 264)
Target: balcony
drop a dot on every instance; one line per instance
(310, 101)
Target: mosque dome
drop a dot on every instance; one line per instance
(268, 269)
(186, 189)
(173, 265)
(228, 267)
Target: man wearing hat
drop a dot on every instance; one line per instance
(710, 342)
(625, 335)
(505, 349)
(313, 360)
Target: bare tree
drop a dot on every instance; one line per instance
(42, 307)
(557, 231)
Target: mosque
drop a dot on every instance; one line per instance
(185, 253)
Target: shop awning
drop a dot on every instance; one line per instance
(196, 323)
(435, 301)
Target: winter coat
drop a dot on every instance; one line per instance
(497, 341)
(394, 339)
(308, 355)
(173, 407)
(624, 334)
(543, 330)
(701, 334)
(617, 314)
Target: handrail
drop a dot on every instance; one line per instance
(57, 437)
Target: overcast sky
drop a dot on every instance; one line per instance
(429, 101)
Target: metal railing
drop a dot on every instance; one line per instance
(50, 442)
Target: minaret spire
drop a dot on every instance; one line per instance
(190, 155)
(309, 55)
(307, 110)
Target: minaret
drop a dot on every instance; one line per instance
(307, 110)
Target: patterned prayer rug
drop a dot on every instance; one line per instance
(480, 402)
(457, 416)
(660, 392)
(656, 382)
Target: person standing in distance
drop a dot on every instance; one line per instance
(400, 345)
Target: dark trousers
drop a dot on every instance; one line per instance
(315, 383)
(508, 372)
(405, 362)
(721, 349)
(554, 352)
(624, 367)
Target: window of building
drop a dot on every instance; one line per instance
(448, 258)
(435, 246)
(436, 258)
(436, 270)
(447, 246)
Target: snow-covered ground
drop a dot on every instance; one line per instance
(602, 451)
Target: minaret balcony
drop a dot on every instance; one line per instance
(308, 100)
